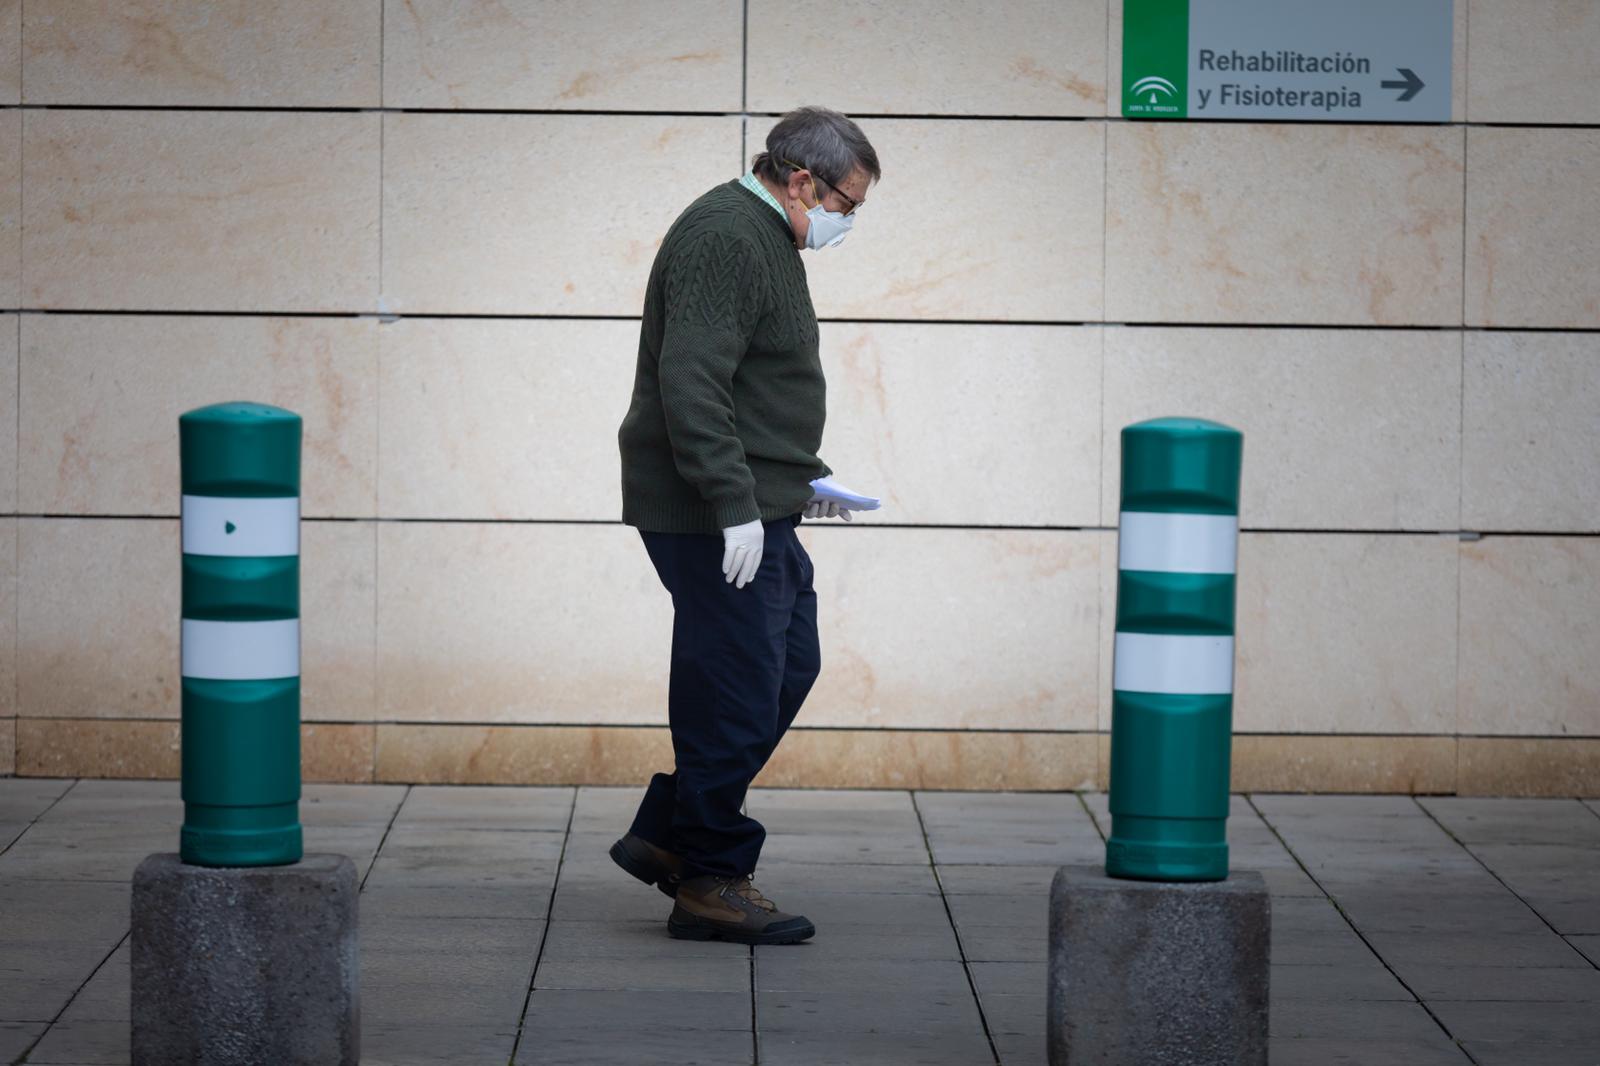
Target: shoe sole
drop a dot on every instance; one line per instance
(699, 931)
(646, 873)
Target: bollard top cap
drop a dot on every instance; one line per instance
(1180, 425)
(1181, 465)
(240, 413)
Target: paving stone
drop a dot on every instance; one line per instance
(436, 900)
(17, 1037)
(35, 996)
(10, 832)
(83, 851)
(1288, 805)
(105, 998)
(429, 1045)
(1572, 915)
(646, 1010)
(1023, 1014)
(1018, 850)
(892, 824)
(1301, 947)
(1589, 945)
(22, 799)
(1440, 912)
(838, 848)
(102, 1043)
(629, 940)
(1387, 1020)
(63, 916)
(1360, 982)
(885, 1011)
(514, 936)
(762, 800)
(417, 857)
(998, 943)
(728, 974)
(880, 910)
(487, 807)
(1022, 912)
(153, 804)
(625, 1047)
(1522, 1053)
(331, 804)
(424, 996)
(1406, 950)
(880, 1049)
(359, 842)
(605, 810)
(1326, 1051)
(850, 943)
(959, 880)
(620, 901)
(1534, 1023)
(1009, 978)
(944, 809)
(782, 877)
(1472, 820)
(1523, 983)
(1018, 1049)
(1308, 915)
(449, 970)
(801, 972)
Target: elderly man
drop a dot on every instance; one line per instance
(719, 448)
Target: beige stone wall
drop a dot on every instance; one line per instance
(426, 226)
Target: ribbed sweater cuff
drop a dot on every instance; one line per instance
(736, 510)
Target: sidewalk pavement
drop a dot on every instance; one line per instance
(494, 928)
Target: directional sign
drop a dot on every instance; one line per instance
(1305, 60)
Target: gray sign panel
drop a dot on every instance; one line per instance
(1323, 60)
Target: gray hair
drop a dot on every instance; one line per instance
(813, 138)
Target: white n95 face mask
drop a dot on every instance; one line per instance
(827, 228)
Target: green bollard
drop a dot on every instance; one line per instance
(1172, 665)
(241, 635)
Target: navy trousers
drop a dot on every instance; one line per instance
(743, 661)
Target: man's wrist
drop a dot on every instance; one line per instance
(736, 510)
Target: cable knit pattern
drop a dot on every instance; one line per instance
(728, 396)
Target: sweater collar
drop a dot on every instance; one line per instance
(753, 183)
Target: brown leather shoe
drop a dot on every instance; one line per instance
(650, 864)
(731, 908)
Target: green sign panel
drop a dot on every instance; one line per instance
(1291, 60)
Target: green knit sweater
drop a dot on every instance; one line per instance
(728, 396)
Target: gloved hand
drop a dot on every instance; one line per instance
(826, 509)
(741, 552)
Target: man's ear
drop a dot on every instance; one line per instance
(800, 185)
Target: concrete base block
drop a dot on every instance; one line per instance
(1154, 971)
(240, 966)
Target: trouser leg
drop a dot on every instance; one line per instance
(728, 655)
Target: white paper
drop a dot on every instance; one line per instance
(827, 490)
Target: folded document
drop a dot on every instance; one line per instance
(826, 490)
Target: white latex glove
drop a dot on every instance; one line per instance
(741, 552)
(826, 509)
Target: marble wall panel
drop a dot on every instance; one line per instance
(10, 52)
(487, 418)
(1530, 624)
(1532, 226)
(8, 414)
(669, 55)
(938, 57)
(1283, 223)
(514, 622)
(11, 208)
(8, 619)
(1012, 246)
(1344, 429)
(1336, 633)
(1534, 61)
(200, 210)
(538, 214)
(224, 53)
(99, 607)
(954, 629)
(1531, 438)
(102, 395)
(966, 425)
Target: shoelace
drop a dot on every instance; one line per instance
(750, 893)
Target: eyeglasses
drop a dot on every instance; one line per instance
(817, 177)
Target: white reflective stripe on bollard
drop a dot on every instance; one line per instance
(1172, 665)
(241, 651)
(1178, 543)
(241, 525)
